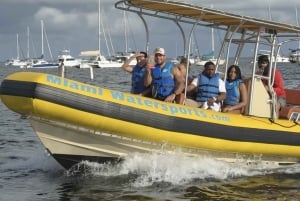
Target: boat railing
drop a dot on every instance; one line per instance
(239, 30)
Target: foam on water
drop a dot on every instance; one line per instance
(178, 169)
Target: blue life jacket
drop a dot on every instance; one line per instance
(162, 81)
(137, 80)
(207, 87)
(232, 92)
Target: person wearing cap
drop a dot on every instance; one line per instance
(209, 88)
(166, 80)
(138, 73)
(278, 86)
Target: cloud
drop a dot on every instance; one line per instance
(74, 23)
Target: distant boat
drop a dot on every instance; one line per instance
(94, 57)
(295, 56)
(174, 61)
(67, 59)
(41, 62)
(16, 61)
(211, 55)
(121, 57)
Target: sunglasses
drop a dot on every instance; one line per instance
(159, 55)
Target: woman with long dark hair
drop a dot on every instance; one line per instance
(236, 92)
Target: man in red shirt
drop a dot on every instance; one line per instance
(263, 64)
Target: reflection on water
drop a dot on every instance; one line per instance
(29, 173)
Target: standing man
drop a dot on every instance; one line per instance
(209, 87)
(166, 81)
(138, 73)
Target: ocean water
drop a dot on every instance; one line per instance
(28, 173)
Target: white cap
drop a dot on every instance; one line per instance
(159, 50)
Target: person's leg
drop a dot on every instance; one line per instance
(281, 102)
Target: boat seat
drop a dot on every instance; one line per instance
(289, 112)
(292, 110)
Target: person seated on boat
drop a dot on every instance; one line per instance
(236, 91)
(165, 80)
(278, 87)
(209, 88)
(182, 66)
(138, 72)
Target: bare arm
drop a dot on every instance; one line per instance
(179, 84)
(126, 66)
(148, 78)
(243, 99)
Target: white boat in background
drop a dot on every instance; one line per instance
(88, 58)
(174, 61)
(211, 55)
(295, 56)
(67, 59)
(16, 61)
(121, 57)
(92, 58)
(41, 62)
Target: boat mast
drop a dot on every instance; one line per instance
(42, 30)
(213, 42)
(18, 50)
(212, 37)
(27, 42)
(125, 30)
(99, 28)
(297, 21)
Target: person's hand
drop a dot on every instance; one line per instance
(210, 102)
(227, 109)
(170, 98)
(150, 68)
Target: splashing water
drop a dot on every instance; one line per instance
(177, 169)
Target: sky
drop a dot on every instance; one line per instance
(73, 25)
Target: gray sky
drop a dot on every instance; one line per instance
(73, 25)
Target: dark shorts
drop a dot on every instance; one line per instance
(282, 101)
(160, 97)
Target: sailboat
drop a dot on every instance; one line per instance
(16, 62)
(94, 58)
(41, 62)
(211, 55)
